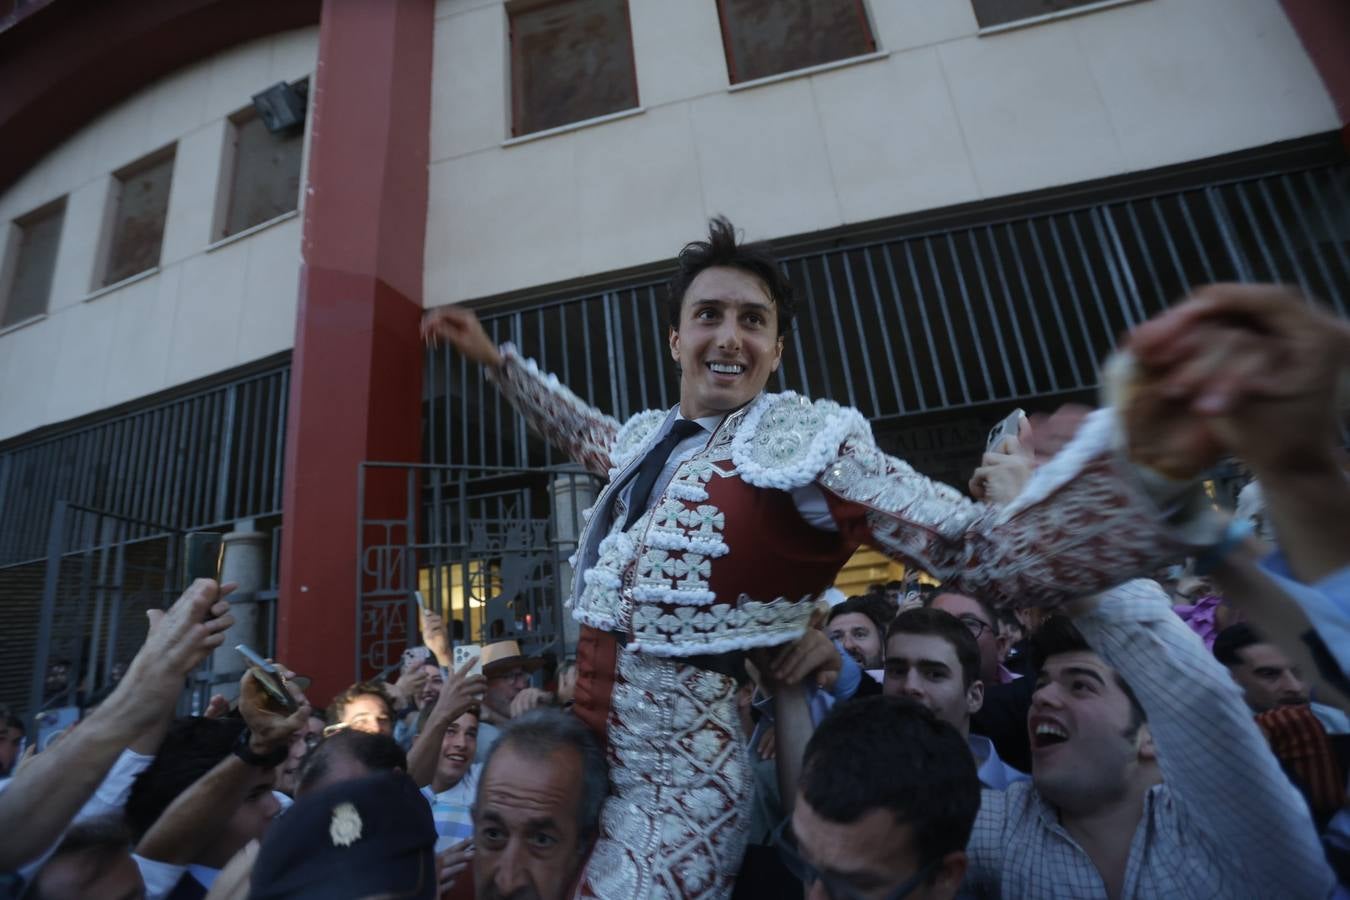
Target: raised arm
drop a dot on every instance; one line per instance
(459, 694)
(1205, 735)
(1087, 520)
(42, 800)
(562, 418)
(194, 818)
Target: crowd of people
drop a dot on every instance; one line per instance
(1113, 689)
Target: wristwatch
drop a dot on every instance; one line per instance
(261, 761)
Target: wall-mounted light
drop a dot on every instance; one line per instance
(281, 107)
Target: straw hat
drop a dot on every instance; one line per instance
(503, 655)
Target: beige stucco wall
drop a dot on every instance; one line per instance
(941, 115)
(207, 308)
(945, 116)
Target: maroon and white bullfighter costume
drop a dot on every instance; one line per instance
(722, 561)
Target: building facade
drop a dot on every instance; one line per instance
(210, 323)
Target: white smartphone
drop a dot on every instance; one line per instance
(465, 652)
(1008, 427)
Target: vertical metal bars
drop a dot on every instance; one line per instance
(207, 459)
(994, 312)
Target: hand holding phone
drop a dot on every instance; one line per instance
(203, 552)
(270, 678)
(464, 653)
(1009, 427)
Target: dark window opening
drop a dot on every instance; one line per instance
(34, 262)
(770, 37)
(142, 202)
(266, 171)
(1000, 12)
(571, 60)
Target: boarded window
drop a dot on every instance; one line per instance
(571, 60)
(39, 234)
(141, 203)
(266, 178)
(769, 37)
(1000, 12)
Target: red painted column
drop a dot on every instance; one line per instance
(357, 366)
(1324, 28)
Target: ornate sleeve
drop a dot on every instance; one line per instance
(562, 418)
(1085, 522)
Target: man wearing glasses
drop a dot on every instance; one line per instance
(885, 805)
(1007, 698)
(508, 675)
(980, 619)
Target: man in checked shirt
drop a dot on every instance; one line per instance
(1149, 778)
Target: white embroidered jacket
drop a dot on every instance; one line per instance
(722, 561)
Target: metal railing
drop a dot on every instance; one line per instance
(101, 573)
(486, 546)
(207, 459)
(1002, 311)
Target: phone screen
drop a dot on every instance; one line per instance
(201, 556)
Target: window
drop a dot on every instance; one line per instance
(265, 181)
(769, 37)
(140, 202)
(1000, 12)
(571, 60)
(32, 262)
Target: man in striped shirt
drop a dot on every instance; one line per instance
(452, 790)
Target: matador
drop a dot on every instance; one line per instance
(724, 517)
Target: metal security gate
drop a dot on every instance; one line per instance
(206, 459)
(129, 484)
(101, 574)
(999, 311)
(486, 547)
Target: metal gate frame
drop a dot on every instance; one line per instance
(453, 520)
(100, 540)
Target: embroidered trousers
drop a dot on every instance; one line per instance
(677, 819)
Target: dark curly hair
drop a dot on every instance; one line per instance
(338, 707)
(722, 249)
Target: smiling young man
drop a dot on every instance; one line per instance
(1149, 777)
(726, 515)
(858, 626)
(452, 789)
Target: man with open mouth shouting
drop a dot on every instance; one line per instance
(1149, 778)
(725, 516)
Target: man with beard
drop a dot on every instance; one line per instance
(1136, 733)
(857, 626)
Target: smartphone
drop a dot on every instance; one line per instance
(268, 677)
(202, 553)
(465, 652)
(1008, 427)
